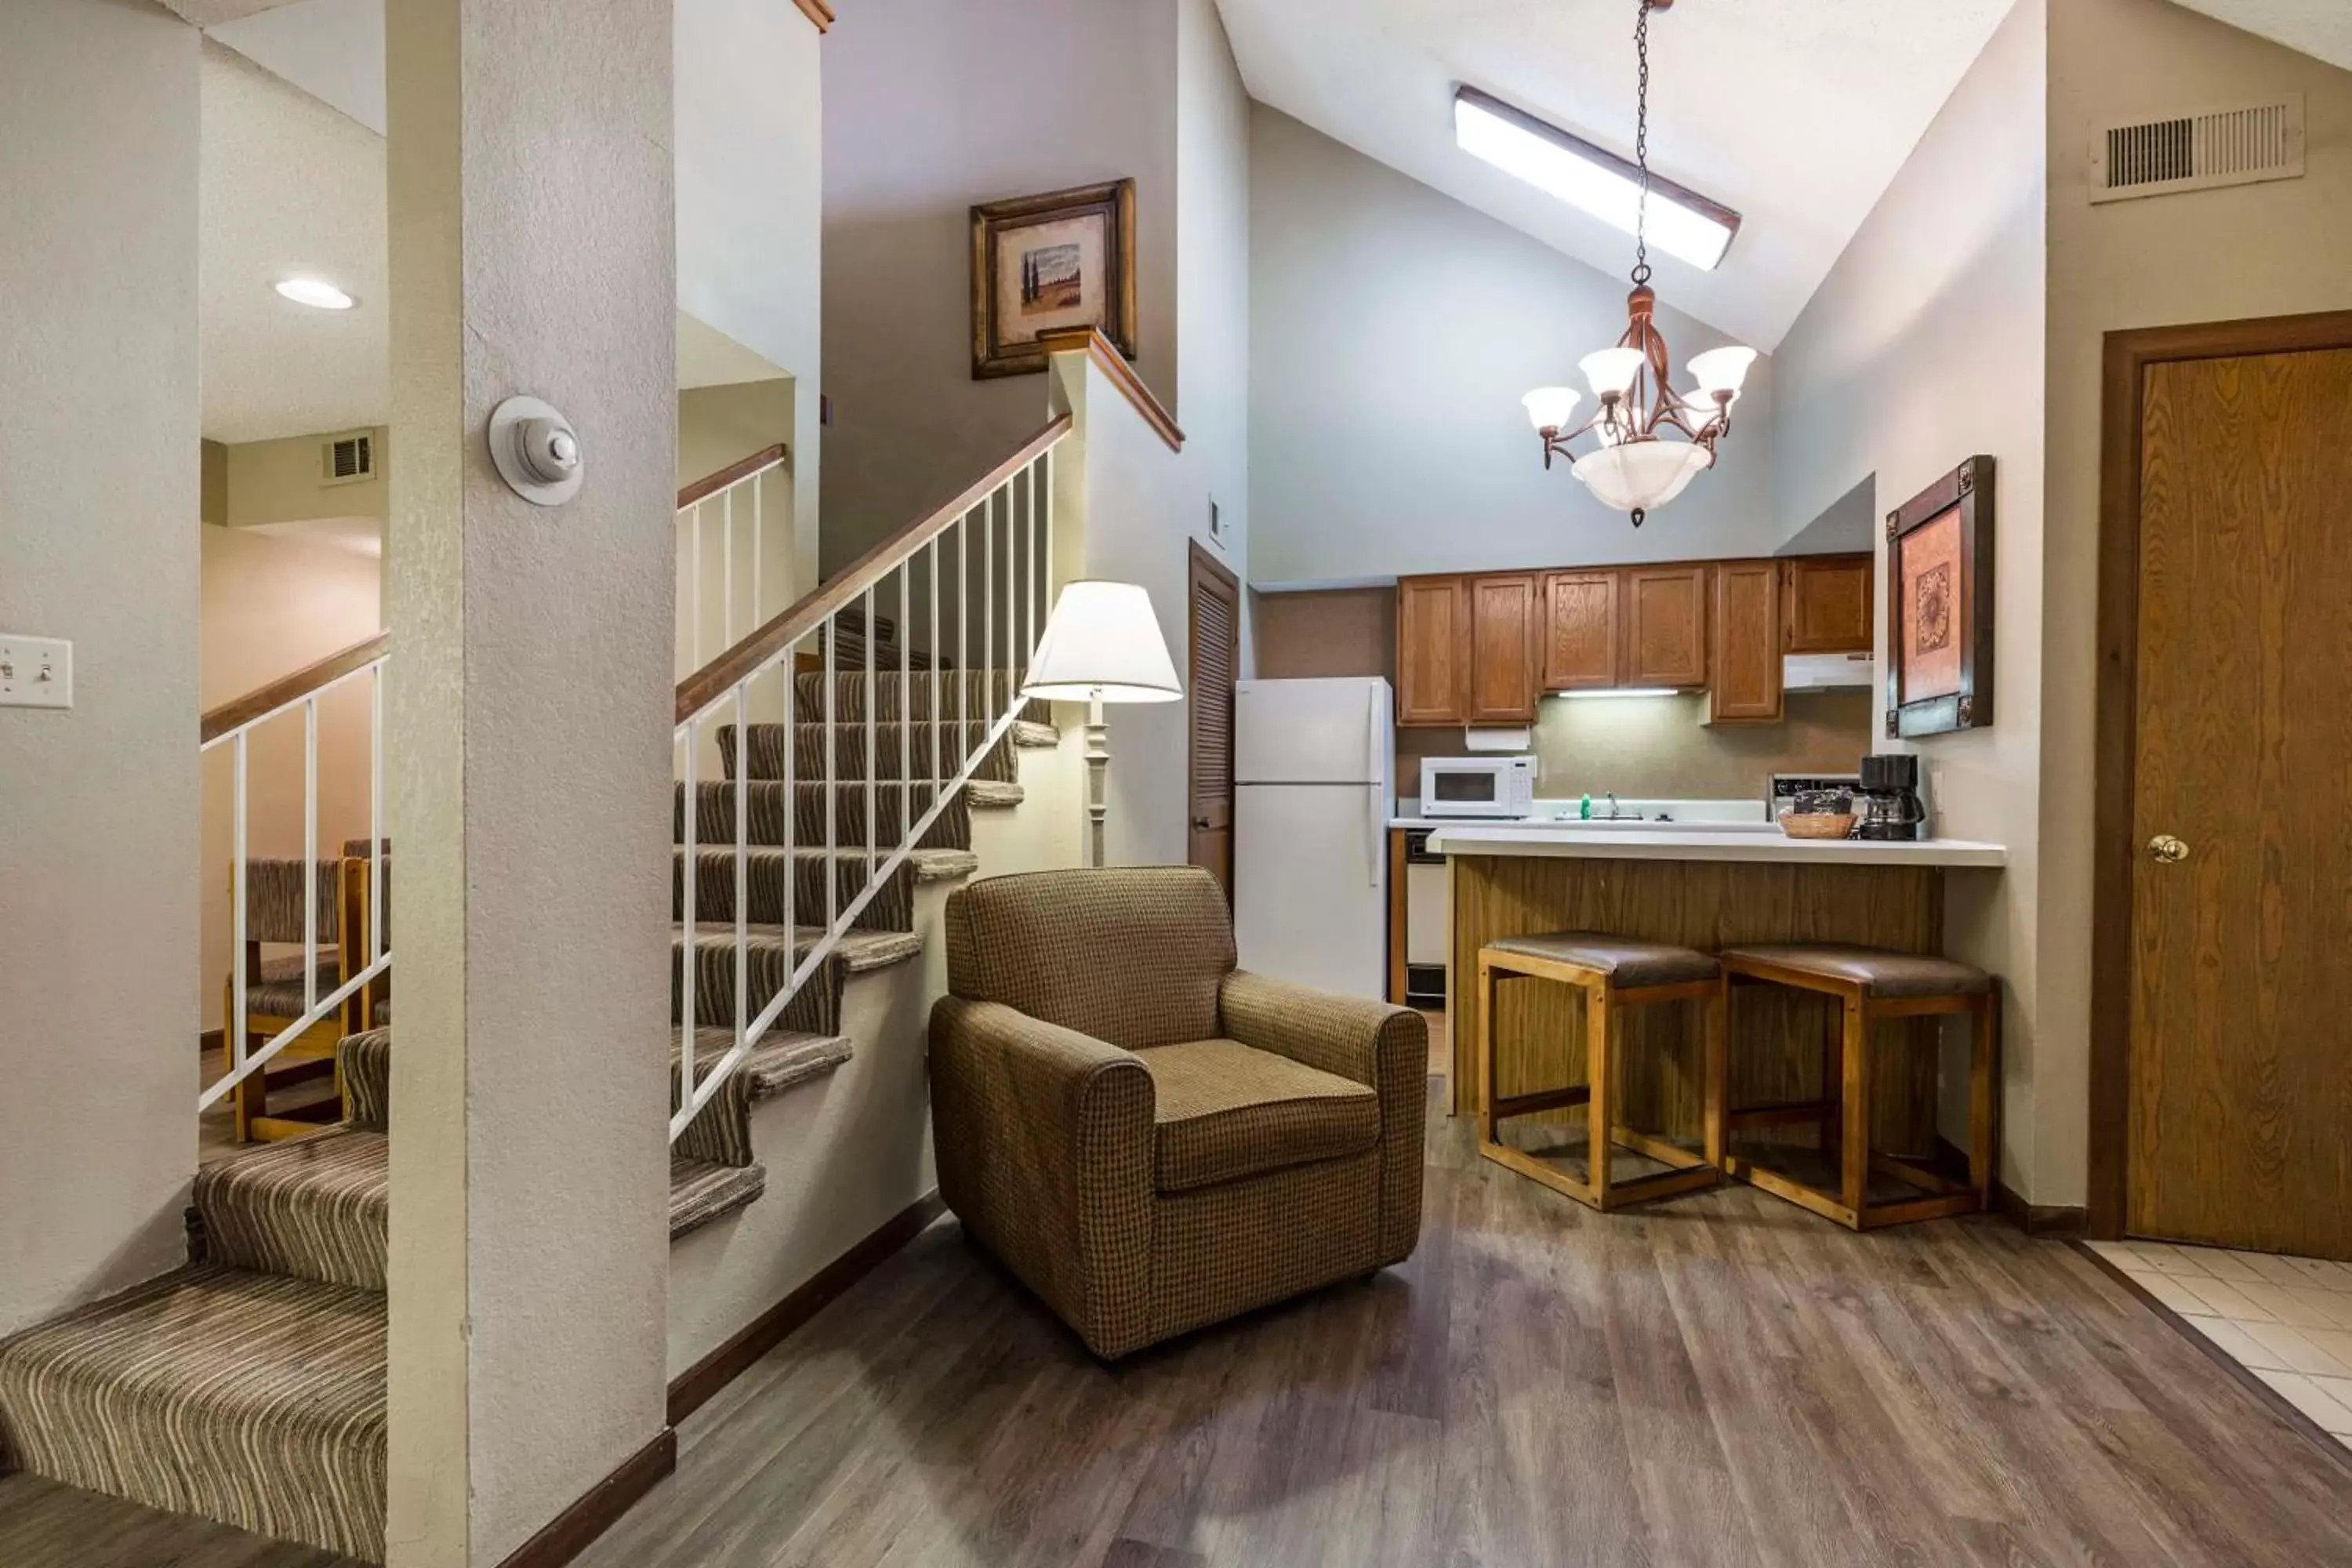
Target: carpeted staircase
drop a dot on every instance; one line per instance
(249, 1386)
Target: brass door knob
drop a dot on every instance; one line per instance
(2167, 849)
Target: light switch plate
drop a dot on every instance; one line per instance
(36, 672)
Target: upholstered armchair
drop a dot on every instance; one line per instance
(1150, 1139)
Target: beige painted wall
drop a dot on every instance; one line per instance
(2256, 250)
(278, 481)
(268, 606)
(1923, 347)
(98, 482)
(746, 566)
(1663, 747)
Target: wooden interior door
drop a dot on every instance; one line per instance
(1215, 662)
(2240, 1116)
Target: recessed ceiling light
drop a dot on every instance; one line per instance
(315, 293)
(1592, 178)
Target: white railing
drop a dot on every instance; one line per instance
(233, 726)
(927, 579)
(735, 495)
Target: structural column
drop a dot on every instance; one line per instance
(528, 759)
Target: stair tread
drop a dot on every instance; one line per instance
(943, 864)
(312, 1208)
(1030, 733)
(864, 949)
(783, 1058)
(702, 1191)
(995, 794)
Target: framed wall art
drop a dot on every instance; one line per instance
(1046, 264)
(1939, 606)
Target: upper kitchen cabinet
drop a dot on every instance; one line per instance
(1582, 646)
(1432, 650)
(1747, 635)
(1827, 603)
(1664, 615)
(1505, 657)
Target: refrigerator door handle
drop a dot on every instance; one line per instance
(1373, 814)
(1374, 824)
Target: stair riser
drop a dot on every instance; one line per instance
(765, 872)
(715, 824)
(983, 696)
(849, 761)
(321, 1220)
(816, 1010)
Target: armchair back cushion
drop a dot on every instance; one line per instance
(1133, 956)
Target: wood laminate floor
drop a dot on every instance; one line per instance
(1722, 1379)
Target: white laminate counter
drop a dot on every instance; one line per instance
(1697, 843)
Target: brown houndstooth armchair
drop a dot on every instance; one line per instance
(1150, 1138)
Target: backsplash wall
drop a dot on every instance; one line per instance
(1657, 748)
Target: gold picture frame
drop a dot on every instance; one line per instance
(1054, 263)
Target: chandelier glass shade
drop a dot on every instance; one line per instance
(1649, 439)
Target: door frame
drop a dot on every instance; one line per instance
(1198, 563)
(2115, 855)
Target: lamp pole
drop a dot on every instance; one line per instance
(1097, 772)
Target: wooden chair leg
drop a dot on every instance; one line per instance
(1854, 1046)
(1600, 1109)
(1717, 1090)
(1489, 1123)
(1833, 1126)
(252, 1098)
(1984, 1079)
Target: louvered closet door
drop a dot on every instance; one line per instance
(1216, 644)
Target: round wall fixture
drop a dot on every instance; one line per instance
(536, 451)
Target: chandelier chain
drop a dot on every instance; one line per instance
(1642, 146)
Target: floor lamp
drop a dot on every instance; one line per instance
(1102, 643)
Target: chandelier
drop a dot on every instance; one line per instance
(1651, 441)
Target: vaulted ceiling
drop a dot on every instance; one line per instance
(2322, 28)
(1795, 112)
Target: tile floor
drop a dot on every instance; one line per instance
(2289, 1319)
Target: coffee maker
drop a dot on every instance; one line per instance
(1888, 802)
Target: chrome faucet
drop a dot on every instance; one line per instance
(1614, 812)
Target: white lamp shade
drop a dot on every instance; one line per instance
(1612, 370)
(1721, 369)
(1641, 474)
(1102, 640)
(1551, 408)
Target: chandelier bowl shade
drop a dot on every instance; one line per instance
(1551, 407)
(1636, 476)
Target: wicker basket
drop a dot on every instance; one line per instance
(1817, 824)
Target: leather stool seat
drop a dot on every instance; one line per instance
(1878, 972)
(1630, 964)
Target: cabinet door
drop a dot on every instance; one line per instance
(1503, 662)
(1579, 630)
(1432, 650)
(1748, 636)
(1665, 626)
(1828, 604)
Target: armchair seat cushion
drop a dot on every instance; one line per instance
(1223, 1110)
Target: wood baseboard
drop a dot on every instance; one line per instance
(571, 1533)
(209, 1041)
(692, 1388)
(2041, 1219)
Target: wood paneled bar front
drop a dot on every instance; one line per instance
(1709, 890)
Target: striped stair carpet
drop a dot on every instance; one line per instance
(249, 1386)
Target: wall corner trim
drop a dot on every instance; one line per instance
(573, 1531)
(1090, 341)
(818, 12)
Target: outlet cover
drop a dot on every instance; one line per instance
(36, 672)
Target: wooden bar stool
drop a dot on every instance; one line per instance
(1613, 973)
(1872, 984)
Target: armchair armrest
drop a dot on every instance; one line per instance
(1372, 1043)
(1044, 1141)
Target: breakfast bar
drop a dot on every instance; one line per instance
(1708, 891)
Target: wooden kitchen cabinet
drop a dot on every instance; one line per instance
(1664, 616)
(1434, 650)
(1504, 649)
(1748, 636)
(1582, 646)
(1826, 603)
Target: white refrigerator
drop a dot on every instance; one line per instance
(1313, 791)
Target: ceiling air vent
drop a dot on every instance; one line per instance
(2237, 146)
(347, 460)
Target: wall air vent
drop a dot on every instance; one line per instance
(347, 460)
(2233, 146)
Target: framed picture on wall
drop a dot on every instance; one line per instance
(1939, 606)
(1055, 263)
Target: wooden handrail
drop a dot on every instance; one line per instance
(717, 677)
(817, 11)
(242, 710)
(1104, 353)
(711, 484)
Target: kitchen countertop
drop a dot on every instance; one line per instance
(1694, 842)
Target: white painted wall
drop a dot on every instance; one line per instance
(98, 543)
(931, 106)
(2270, 249)
(1924, 346)
(1393, 333)
(750, 120)
(1213, 277)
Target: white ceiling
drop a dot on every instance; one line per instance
(1795, 112)
(2319, 28)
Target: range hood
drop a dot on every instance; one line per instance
(1828, 672)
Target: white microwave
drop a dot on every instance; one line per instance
(1478, 786)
